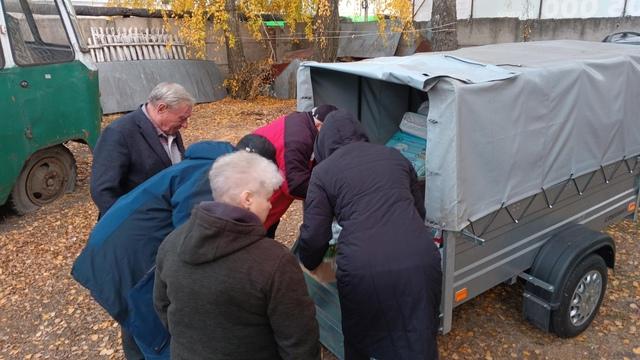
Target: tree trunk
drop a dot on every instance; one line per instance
(327, 24)
(444, 23)
(235, 53)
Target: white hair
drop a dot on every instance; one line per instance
(231, 174)
(171, 94)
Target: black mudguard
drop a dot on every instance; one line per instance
(553, 264)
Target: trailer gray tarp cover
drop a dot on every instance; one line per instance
(505, 121)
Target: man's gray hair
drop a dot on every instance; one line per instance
(171, 94)
(240, 171)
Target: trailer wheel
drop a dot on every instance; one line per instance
(582, 294)
(46, 176)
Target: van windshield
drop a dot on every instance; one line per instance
(82, 40)
(36, 32)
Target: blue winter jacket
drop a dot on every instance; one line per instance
(117, 264)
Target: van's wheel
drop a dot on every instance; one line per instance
(46, 176)
(582, 294)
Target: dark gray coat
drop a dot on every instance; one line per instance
(128, 152)
(225, 291)
(389, 277)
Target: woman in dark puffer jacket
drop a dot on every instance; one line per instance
(389, 274)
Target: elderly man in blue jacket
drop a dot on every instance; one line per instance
(117, 264)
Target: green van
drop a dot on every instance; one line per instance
(48, 97)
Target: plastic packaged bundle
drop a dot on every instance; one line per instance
(411, 141)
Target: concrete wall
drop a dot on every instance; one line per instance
(497, 30)
(534, 9)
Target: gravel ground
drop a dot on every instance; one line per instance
(44, 314)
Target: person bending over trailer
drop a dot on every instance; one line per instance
(293, 136)
(388, 268)
(117, 264)
(225, 290)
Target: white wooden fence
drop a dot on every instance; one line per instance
(112, 44)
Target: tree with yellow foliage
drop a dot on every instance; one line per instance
(320, 19)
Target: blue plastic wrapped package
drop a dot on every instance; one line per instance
(413, 148)
(411, 141)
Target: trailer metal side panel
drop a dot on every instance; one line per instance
(510, 248)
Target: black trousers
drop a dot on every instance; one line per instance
(129, 346)
(353, 353)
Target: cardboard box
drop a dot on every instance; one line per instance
(324, 273)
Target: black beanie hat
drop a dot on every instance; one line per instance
(320, 112)
(259, 145)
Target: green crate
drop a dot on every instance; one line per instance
(325, 296)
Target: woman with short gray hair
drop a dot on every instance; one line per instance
(244, 180)
(222, 288)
